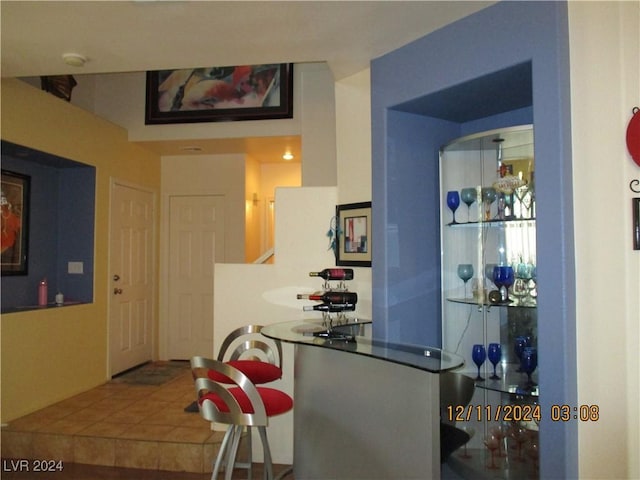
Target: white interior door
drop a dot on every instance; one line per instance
(196, 242)
(132, 278)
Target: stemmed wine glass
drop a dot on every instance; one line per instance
(492, 443)
(532, 291)
(523, 275)
(489, 196)
(471, 432)
(508, 280)
(518, 347)
(519, 435)
(494, 353)
(527, 203)
(453, 202)
(479, 355)
(520, 193)
(528, 363)
(503, 278)
(488, 271)
(534, 454)
(465, 272)
(468, 196)
(500, 433)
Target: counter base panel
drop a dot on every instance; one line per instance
(358, 417)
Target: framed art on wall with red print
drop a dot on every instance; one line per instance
(14, 204)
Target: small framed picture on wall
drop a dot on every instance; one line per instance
(353, 246)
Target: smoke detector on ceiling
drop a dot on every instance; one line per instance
(74, 59)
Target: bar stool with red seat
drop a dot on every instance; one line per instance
(238, 405)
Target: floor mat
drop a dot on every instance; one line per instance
(153, 373)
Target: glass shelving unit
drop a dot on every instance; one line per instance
(497, 231)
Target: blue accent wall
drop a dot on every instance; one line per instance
(505, 65)
(61, 227)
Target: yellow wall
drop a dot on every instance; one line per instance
(49, 355)
(272, 176)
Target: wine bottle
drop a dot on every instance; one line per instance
(331, 297)
(330, 307)
(334, 274)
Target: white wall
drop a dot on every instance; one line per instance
(605, 86)
(353, 137)
(317, 116)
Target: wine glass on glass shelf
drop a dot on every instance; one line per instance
(519, 435)
(489, 196)
(523, 275)
(494, 353)
(508, 280)
(519, 345)
(468, 196)
(503, 278)
(478, 355)
(492, 443)
(520, 193)
(453, 202)
(527, 203)
(497, 279)
(500, 433)
(528, 364)
(488, 272)
(471, 432)
(465, 272)
(532, 285)
(534, 454)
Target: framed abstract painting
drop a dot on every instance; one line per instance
(220, 94)
(353, 246)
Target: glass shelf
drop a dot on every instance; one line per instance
(510, 304)
(493, 223)
(511, 381)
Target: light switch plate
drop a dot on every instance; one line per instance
(76, 267)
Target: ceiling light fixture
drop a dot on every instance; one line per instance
(74, 59)
(288, 156)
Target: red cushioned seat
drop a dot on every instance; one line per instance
(256, 371)
(275, 401)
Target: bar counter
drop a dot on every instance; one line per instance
(364, 409)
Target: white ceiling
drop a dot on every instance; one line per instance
(130, 36)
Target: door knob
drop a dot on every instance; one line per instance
(117, 291)
(116, 278)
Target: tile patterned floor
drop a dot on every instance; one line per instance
(119, 425)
